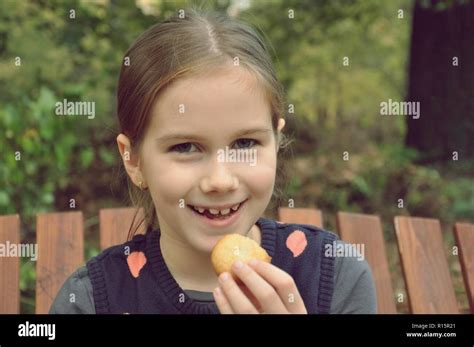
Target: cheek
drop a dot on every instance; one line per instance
(167, 181)
(261, 178)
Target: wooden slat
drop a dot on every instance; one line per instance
(115, 224)
(464, 233)
(424, 264)
(60, 238)
(310, 216)
(9, 266)
(367, 229)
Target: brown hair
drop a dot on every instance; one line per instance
(178, 47)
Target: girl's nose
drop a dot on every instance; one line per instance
(219, 179)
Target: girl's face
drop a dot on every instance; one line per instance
(186, 156)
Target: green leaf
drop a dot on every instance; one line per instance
(87, 156)
(106, 156)
(361, 185)
(4, 198)
(47, 198)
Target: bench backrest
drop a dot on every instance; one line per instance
(367, 230)
(9, 266)
(310, 216)
(464, 234)
(115, 224)
(425, 268)
(60, 239)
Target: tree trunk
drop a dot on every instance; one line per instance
(445, 91)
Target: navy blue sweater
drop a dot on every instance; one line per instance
(116, 290)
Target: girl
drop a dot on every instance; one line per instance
(198, 97)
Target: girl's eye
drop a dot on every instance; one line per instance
(182, 147)
(187, 147)
(246, 143)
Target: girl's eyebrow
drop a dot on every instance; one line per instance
(179, 136)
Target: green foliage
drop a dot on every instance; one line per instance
(460, 195)
(61, 58)
(336, 107)
(310, 49)
(37, 152)
(373, 181)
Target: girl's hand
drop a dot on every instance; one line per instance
(267, 289)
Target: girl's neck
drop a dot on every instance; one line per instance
(191, 269)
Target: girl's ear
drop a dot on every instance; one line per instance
(130, 161)
(281, 125)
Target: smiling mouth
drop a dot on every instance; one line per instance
(217, 214)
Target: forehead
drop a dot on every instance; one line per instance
(224, 99)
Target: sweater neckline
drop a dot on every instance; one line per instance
(176, 295)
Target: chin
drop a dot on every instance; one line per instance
(204, 243)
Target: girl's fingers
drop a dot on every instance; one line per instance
(221, 302)
(266, 295)
(283, 284)
(236, 298)
(250, 295)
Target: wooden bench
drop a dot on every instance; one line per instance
(429, 286)
(10, 266)
(367, 230)
(464, 234)
(425, 267)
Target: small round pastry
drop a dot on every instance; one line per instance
(234, 247)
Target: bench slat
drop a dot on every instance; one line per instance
(367, 229)
(310, 216)
(9, 266)
(464, 233)
(115, 224)
(60, 238)
(424, 264)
